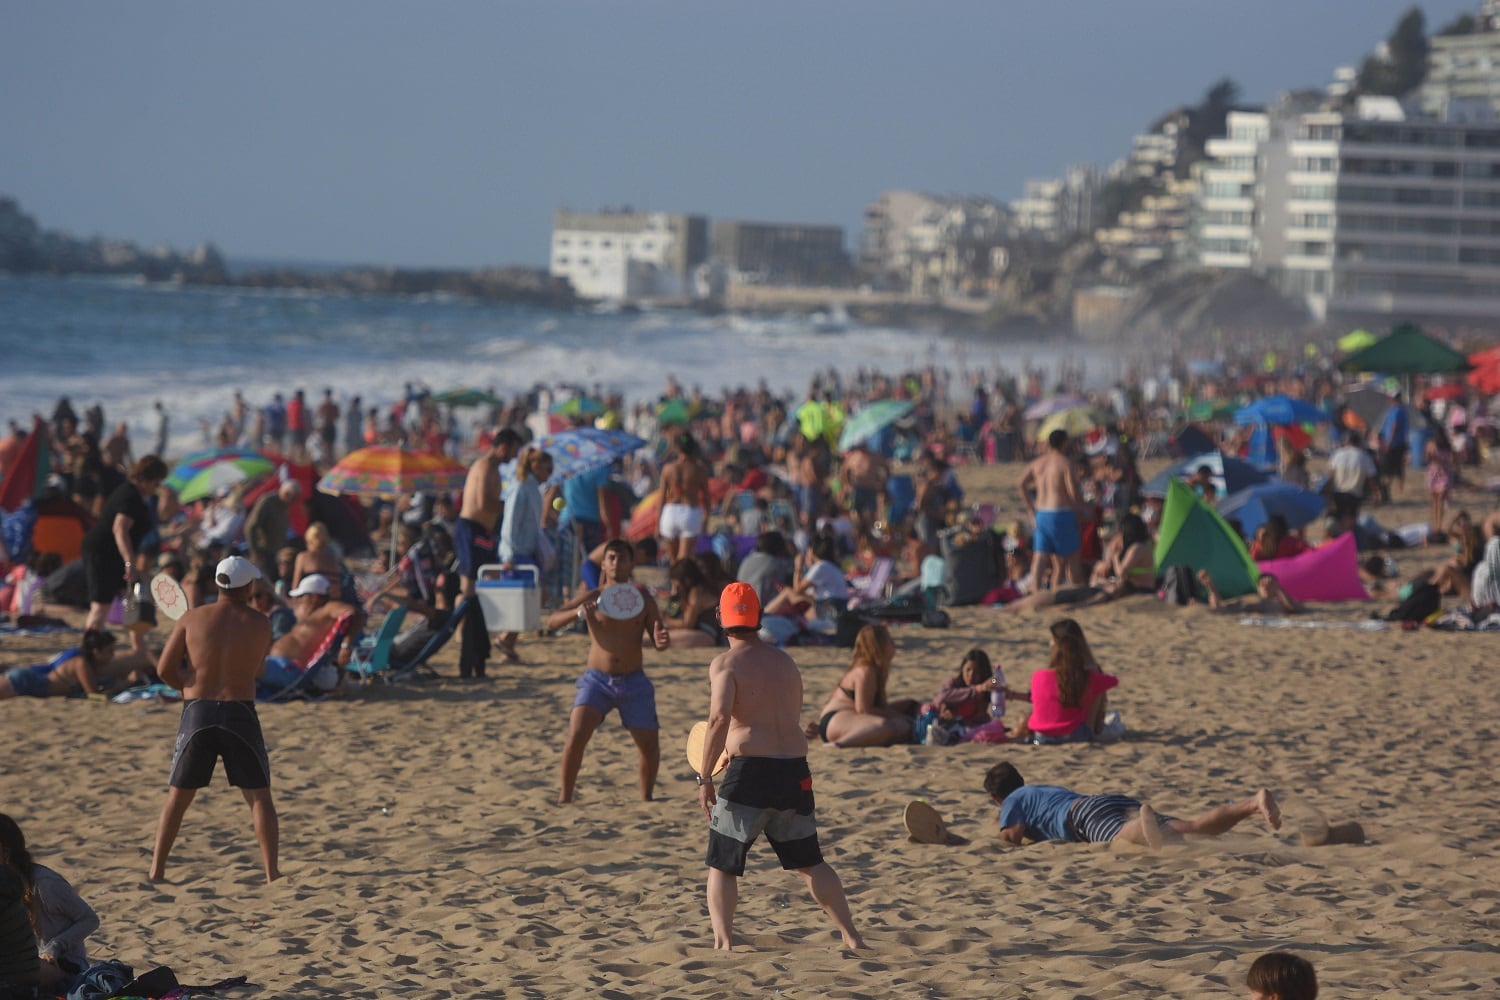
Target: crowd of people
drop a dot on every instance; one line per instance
(773, 529)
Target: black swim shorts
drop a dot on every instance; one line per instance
(771, 795)
(213, 729)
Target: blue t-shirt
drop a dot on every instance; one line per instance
(581, 494)
(1393, 430)
(1043, 808)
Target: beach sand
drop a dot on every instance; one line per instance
(424, 855)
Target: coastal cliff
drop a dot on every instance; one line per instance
(26, 248)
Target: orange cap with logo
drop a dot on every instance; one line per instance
(739, 607)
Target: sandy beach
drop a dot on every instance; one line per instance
(424, 854)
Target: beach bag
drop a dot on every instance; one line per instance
(1424, 601)
(935, 618)
(849, 624)
(1178, 585)
(101, 980)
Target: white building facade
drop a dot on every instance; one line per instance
(625, 256)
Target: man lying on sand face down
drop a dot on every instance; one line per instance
(1050, 812)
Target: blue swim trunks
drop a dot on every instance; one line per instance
(633, 694)
(28, 682)
(1056, 532)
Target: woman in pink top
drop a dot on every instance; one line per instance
(1068, 695)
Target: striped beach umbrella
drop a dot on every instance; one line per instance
(216, 477)
(382, 471)
(196, 461)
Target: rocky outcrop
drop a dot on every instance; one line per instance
(524, 285)
(26, 248)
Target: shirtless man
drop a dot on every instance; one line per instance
(615, 678)
(1055, 513)
(863, 475)
(754, 714)
(684, 500)
(213, 657)
(316, 614)
(1050, 812)
(474, 543)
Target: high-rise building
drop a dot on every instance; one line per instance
(1369, 213)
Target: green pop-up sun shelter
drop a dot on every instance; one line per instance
(1193, 534)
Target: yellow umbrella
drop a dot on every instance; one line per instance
(1077, 422)
(1356, 340)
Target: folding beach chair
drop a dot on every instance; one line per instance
(372, 657)
(313, 679)
(435, 642)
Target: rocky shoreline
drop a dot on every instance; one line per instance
(26, 248)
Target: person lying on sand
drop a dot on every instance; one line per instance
(1273, 599)
(1050, 812)
(73, 673)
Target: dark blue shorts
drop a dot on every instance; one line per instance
(472, 546)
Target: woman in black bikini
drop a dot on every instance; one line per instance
(858, 713)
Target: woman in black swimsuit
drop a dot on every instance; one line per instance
(858, 713)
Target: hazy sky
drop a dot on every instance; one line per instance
(445, 133)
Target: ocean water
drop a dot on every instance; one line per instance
(125, 344)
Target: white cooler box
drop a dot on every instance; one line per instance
(511, 601)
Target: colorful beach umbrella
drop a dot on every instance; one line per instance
(216, 477)
(674, 413)
(382, 471)
(871, 420)
(1075, 423)
(196, 461)
(1356, 340)
(1057, 404)
(577, 451)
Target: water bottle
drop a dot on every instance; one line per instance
(932, 732)
(997, 695)
(131, 603)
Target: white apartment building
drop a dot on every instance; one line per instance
(1391, 215)
(625, 256)
(1060, 207)
(1464, 67)
(1224, 230)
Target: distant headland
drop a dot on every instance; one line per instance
(27, 248)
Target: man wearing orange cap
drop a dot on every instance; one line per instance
(755, 708)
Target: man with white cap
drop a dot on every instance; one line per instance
(316, 615)
(213, 657)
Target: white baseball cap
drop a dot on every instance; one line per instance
(236, 572)
(313, 583)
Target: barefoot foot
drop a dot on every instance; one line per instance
(1150, 827)
(1266, 803)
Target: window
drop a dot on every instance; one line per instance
(561, 260)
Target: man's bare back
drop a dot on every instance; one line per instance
(685, 481)
(481, 502)
(766, 717)
(1052, 477)
(863, 470)
(216, 652)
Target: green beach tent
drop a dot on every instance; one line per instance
(1193, 534)
(1406, 350)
